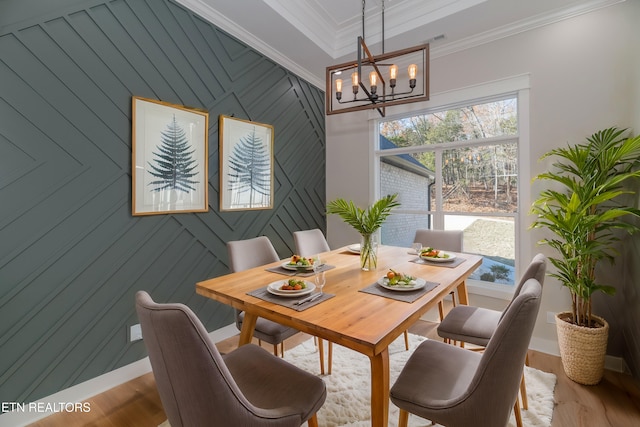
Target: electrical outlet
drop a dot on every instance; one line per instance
(551, 317)
(135, 333)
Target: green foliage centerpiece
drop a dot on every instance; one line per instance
(585, 217)
(365, 222)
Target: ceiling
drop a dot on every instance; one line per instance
(306, 36)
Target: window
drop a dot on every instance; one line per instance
(456, 168)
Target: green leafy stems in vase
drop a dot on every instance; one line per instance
(368, 252)
(366, 222)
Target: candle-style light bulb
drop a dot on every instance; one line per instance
(338, 89)
(393, 74)
(373, 79)
(354, 83)
(413, 71)
(393, 71)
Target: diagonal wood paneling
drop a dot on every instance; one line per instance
(72, 256)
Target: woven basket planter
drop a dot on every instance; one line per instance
(582, 349)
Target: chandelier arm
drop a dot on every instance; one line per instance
(380, 98)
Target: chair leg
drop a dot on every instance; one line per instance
(453, 301)
(406, 340)
(441, 305)
(523, 387)
(523, 393)
(403, 421)
(516, 411)
(441, 310)
(441, 313)
(313, 421)
(321, 354)
(275, 349)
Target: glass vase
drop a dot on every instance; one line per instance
(368, 252)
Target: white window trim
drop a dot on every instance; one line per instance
(517, 85)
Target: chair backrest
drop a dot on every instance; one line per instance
(537, 269)
(250, 253)
(446, 240)
(310, 242)
(195, 386)
(497, 379)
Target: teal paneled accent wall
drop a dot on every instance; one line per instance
(71, 254)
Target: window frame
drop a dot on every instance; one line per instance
(514, 87)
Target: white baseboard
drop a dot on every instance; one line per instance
(616, 364)
(545, 346)
(31, 412)
(612, 363)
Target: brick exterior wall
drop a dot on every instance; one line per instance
(413, 193)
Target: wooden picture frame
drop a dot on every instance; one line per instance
(246, 164)
(169, 158)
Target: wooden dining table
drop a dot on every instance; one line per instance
(361, 321)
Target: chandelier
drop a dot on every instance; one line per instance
(378, 81)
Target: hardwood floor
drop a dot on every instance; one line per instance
(615, 402)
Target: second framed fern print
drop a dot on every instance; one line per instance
(246, 165)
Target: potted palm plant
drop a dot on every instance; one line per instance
(366, 222)
(585, 217)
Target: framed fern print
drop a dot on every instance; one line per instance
(169, 158)
(246, 165)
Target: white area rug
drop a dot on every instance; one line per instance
(348, 386)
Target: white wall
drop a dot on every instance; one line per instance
(583, 78)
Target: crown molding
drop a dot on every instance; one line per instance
(400, 18)
(521, 26)
(212, 15)
(323, 22)
(313, 21)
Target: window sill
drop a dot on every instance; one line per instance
(485, 289)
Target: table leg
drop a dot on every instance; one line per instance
(380, 389)
(248, 326)
(463, 295)
(321, 353)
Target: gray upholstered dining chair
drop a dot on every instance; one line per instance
(476, 325)
(250, 253)
(458, 388)
(446, 240)
(200, 387)
(308, 244)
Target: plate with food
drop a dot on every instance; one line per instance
(298, 262)
(436, 255)
(401, 282)
(355, 249)
(291, 288)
